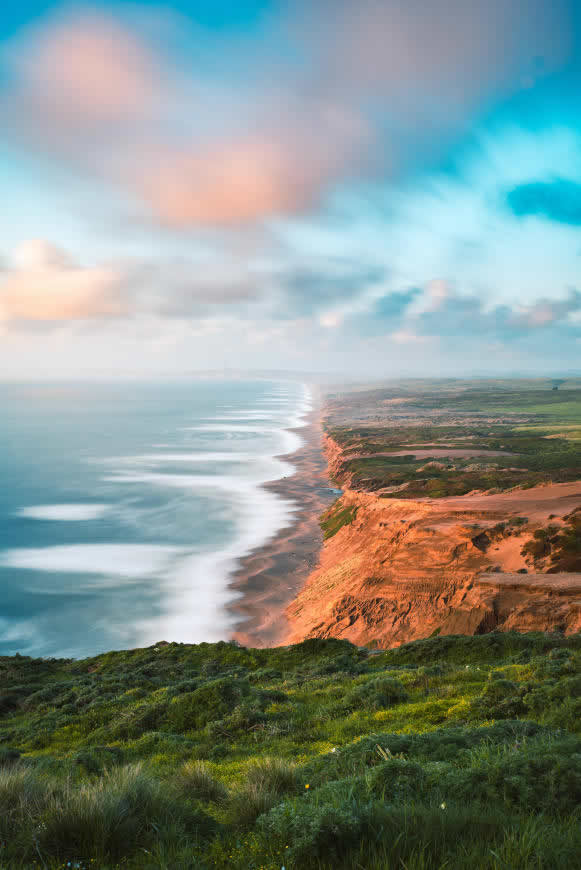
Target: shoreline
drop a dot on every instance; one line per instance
(269, 578)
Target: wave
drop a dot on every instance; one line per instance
(226, 427)
(181, 519)
(260, 515)
(131, 561)
(193, 458)
(64, 512)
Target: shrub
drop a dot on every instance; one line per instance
(271, 696)
(137, 720)
(340, 664)
(8, 757)
(428, 835)
(539, 546)
(8, 703)
(244, 717)
(267, 781)
(275, 774)
(114, 816)
(23, 795)
(499, 699)
(210, 702)
(313, 830)
(265, 675)
(539, 775)
(480, 648)
(566, 716)
(377, 694)
(397, 780)
(97, 758)
(196, 781)
(443, 744)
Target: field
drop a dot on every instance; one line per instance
(449, 752)
(442, 438)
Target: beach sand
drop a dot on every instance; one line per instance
(271, 577)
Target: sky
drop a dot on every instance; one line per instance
(357, 187)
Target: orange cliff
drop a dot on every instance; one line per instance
(406, 569)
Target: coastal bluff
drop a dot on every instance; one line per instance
(460, 512)
(403, 570)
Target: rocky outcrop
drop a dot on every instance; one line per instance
(534, 602)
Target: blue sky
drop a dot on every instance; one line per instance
(373, 187)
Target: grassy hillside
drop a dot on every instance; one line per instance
(448, 752)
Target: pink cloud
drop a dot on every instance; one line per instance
(87, 68)
(248, 177)
(203, 149)
(546, 312)
(45, 285)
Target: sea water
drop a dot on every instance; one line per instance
(126, 508)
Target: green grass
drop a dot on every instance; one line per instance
(569, 410)
(336, 517)
(447, 752)
(515, 418)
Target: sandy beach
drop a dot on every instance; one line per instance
(271, 577)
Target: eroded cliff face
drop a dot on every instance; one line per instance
(335, 457)
(405, 569)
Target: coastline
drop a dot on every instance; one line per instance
(269, 578)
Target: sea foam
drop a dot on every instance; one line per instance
(64, 512)
(187, 472)
(121, 560)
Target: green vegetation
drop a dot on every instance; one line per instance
(561, 546)
(517, 432)
(458, 752)
(336, 517)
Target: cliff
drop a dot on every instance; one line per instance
(407, 569)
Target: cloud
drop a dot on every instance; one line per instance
(325, 283)
(407, 53)
(546, 312)
(558, 200)
(331, 320)
(44, 284)
(182, 288)
(462, 317)
(382, 315)
(85, 68)
(249, 177)
(328, 91)
(93, 90)
(406, 336)
(276, 290)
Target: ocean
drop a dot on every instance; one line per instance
(126, 508)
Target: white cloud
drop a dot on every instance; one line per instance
(407, 336)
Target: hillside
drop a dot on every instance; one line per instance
(447, 752)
